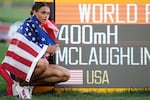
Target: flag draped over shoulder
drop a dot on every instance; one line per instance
(28, 45)
(51, 28)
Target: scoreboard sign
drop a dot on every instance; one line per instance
(104, 43)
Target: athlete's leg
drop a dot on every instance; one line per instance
(46, 73)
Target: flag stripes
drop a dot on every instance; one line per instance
(75, 79)
(22, 56)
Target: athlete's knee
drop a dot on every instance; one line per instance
(43, 63)
(66, 76)
(62, 76)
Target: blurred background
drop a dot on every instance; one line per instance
(12, 13)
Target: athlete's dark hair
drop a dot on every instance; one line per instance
(37, 5)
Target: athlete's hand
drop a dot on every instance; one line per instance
(52, 48)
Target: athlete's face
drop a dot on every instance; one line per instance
(43, 14)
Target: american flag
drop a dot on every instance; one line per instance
(75, 79)
(28, 45)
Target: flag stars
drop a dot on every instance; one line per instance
(25, 34)
(37, 22)
(29, 33)
(40, 45)
(36, 43)
(26, 29)
(33, 25)
(36, 31)
(43, 39)
(33, 38)
(28, 24)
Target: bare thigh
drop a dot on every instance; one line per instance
(60, 68)
(46, 71)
